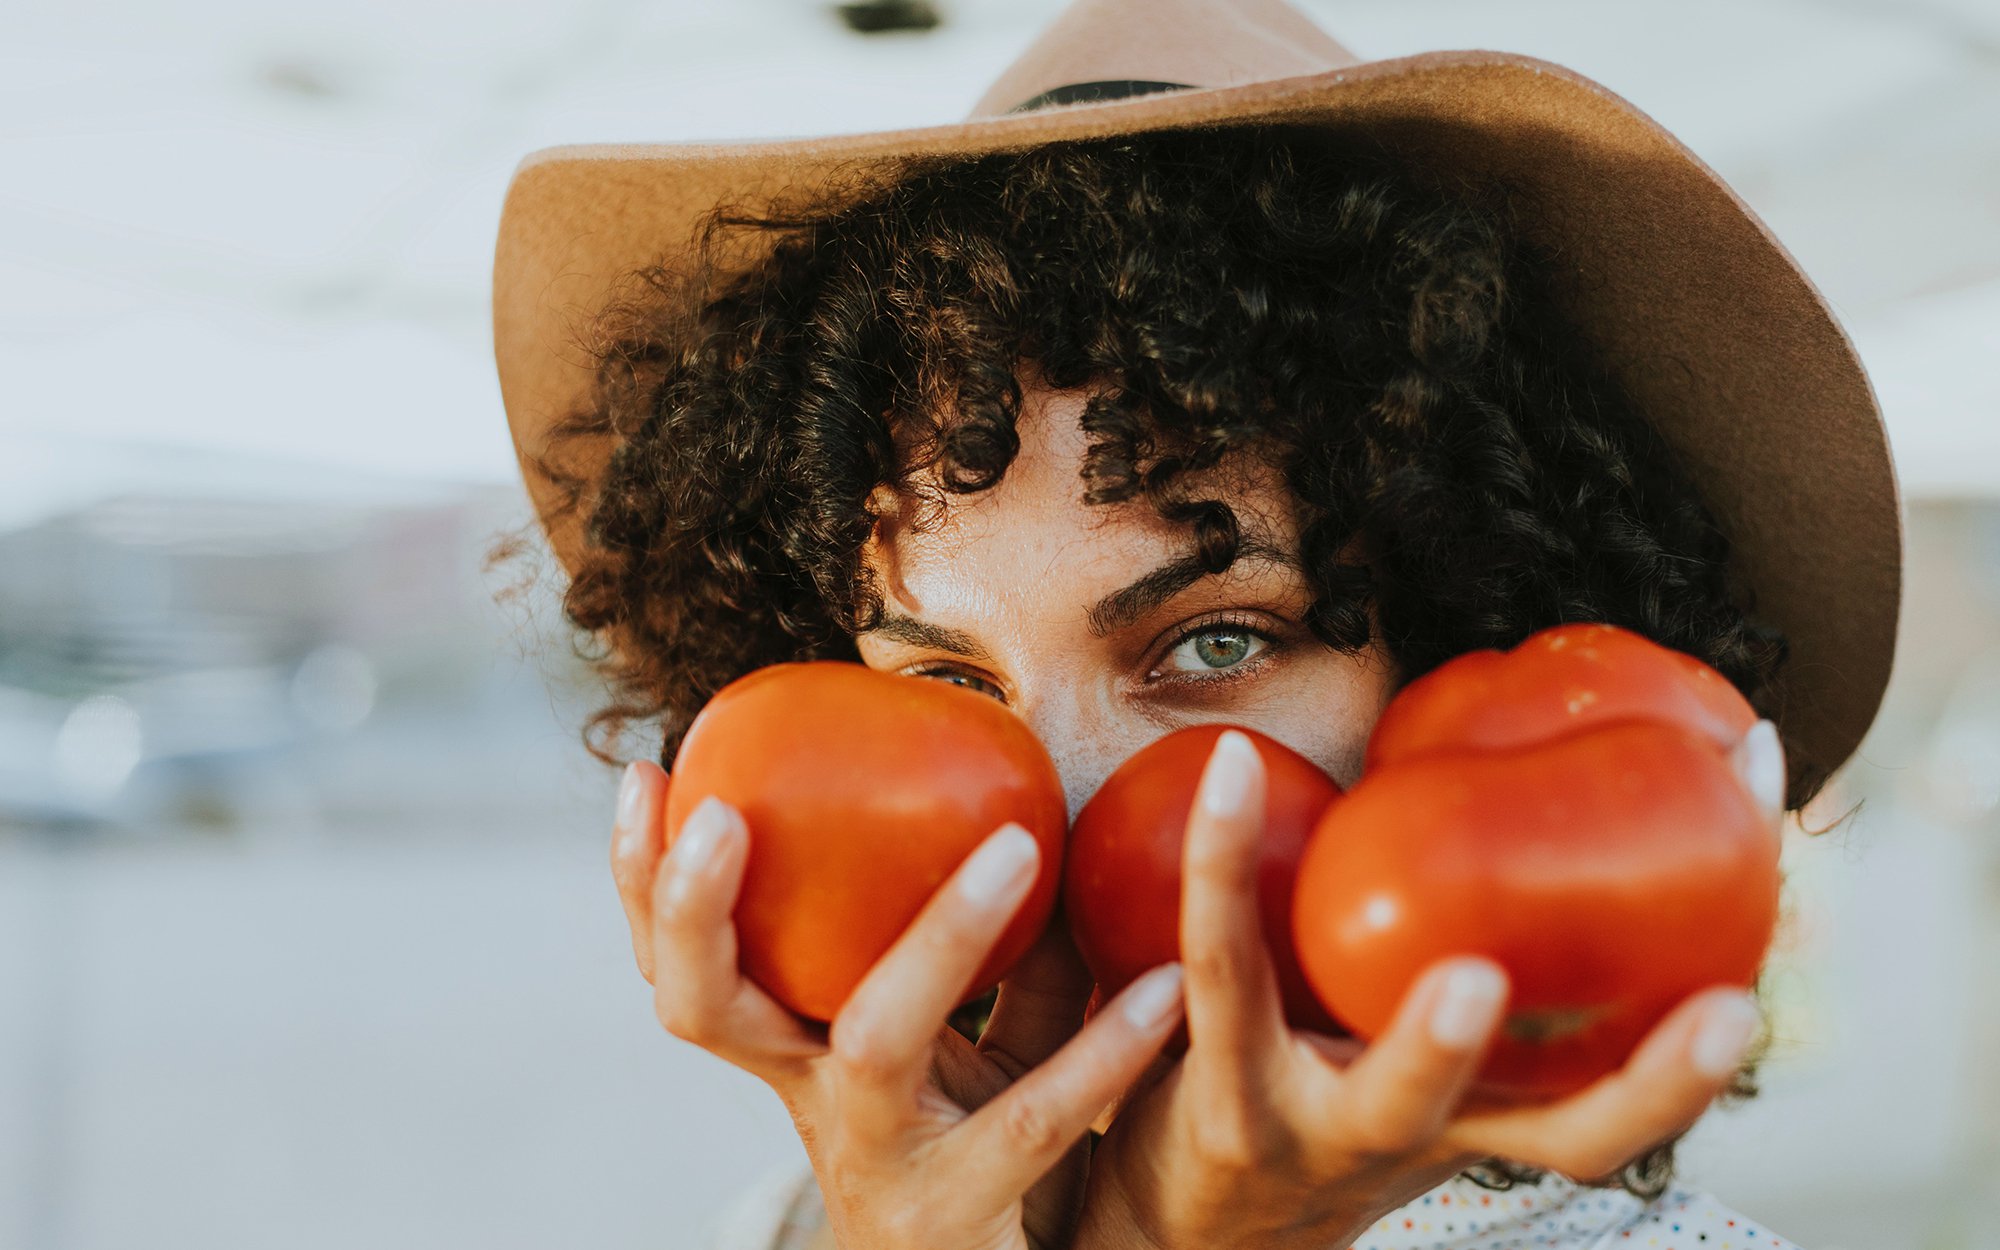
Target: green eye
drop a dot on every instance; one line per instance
(1222, 650)
(965, 681)
(1216, 647)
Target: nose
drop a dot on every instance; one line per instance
(1086, 737)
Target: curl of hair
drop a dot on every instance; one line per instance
(1466, 474)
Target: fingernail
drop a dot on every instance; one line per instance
(1725, 1036)
(629, 791)
(695, 846)
(997, 864)
(1225, 783)
(1760, 761)
(1467, 1006)
(1153, 997)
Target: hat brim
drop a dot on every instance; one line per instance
(1690, 302)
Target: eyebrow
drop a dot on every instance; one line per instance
(1122, 607)
(908, 629)
(1116, 610)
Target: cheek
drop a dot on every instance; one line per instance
(1325, 708)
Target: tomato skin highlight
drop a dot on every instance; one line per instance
(1560, 681)
(1122, 884)
(863, 792)
(1612, 874)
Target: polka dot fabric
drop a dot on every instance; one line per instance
(1459, 1215)
(785, 1214)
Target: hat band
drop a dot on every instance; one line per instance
(1092, 92)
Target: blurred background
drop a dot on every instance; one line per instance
(306, 938)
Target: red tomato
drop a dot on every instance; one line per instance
(862, 792)
(1569, 810)
(1122, 887)
(1560, 681)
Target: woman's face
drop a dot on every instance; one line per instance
(1095, 624)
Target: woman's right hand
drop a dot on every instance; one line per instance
(917, 1139)
(1269, 1137)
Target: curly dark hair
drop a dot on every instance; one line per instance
(1390, 339)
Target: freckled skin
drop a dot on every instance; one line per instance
(1017, 569)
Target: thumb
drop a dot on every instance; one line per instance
(1041, 1004)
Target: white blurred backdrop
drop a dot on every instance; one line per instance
(305, 934)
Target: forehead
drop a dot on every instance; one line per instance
(1034, 526)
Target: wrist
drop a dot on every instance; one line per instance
(1110, 1221)
(1113, 1220)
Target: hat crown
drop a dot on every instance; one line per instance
(1194, 43)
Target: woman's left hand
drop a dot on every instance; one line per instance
(917, 1137)
(1268, 1137)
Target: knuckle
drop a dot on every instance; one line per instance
(1221, 866)
(1226, 1143)
(859, 1057)
(1232, 1155)
(1220, 963)
(683, 910)
(1396, 1114)
(629, 877)
(948, 934)
(673, 908)
(683, 1017)
(1030, 1128)
(1384, 1136)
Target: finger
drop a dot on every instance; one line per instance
(1233, 1011)
(1670, 1080)
(1011, 1141)
(965, 1075)
(1400, 1092)
(635, 853)
(1041, 1004)
(882, 1038)
(1759, 760)
(699, 992)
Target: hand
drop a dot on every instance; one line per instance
(917, 1138)
(1266, 1137)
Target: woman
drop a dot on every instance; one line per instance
(1139, 425)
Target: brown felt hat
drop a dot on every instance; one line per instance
(1688, 299)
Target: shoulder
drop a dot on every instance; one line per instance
(1460, 1215)
(1690, 1213)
